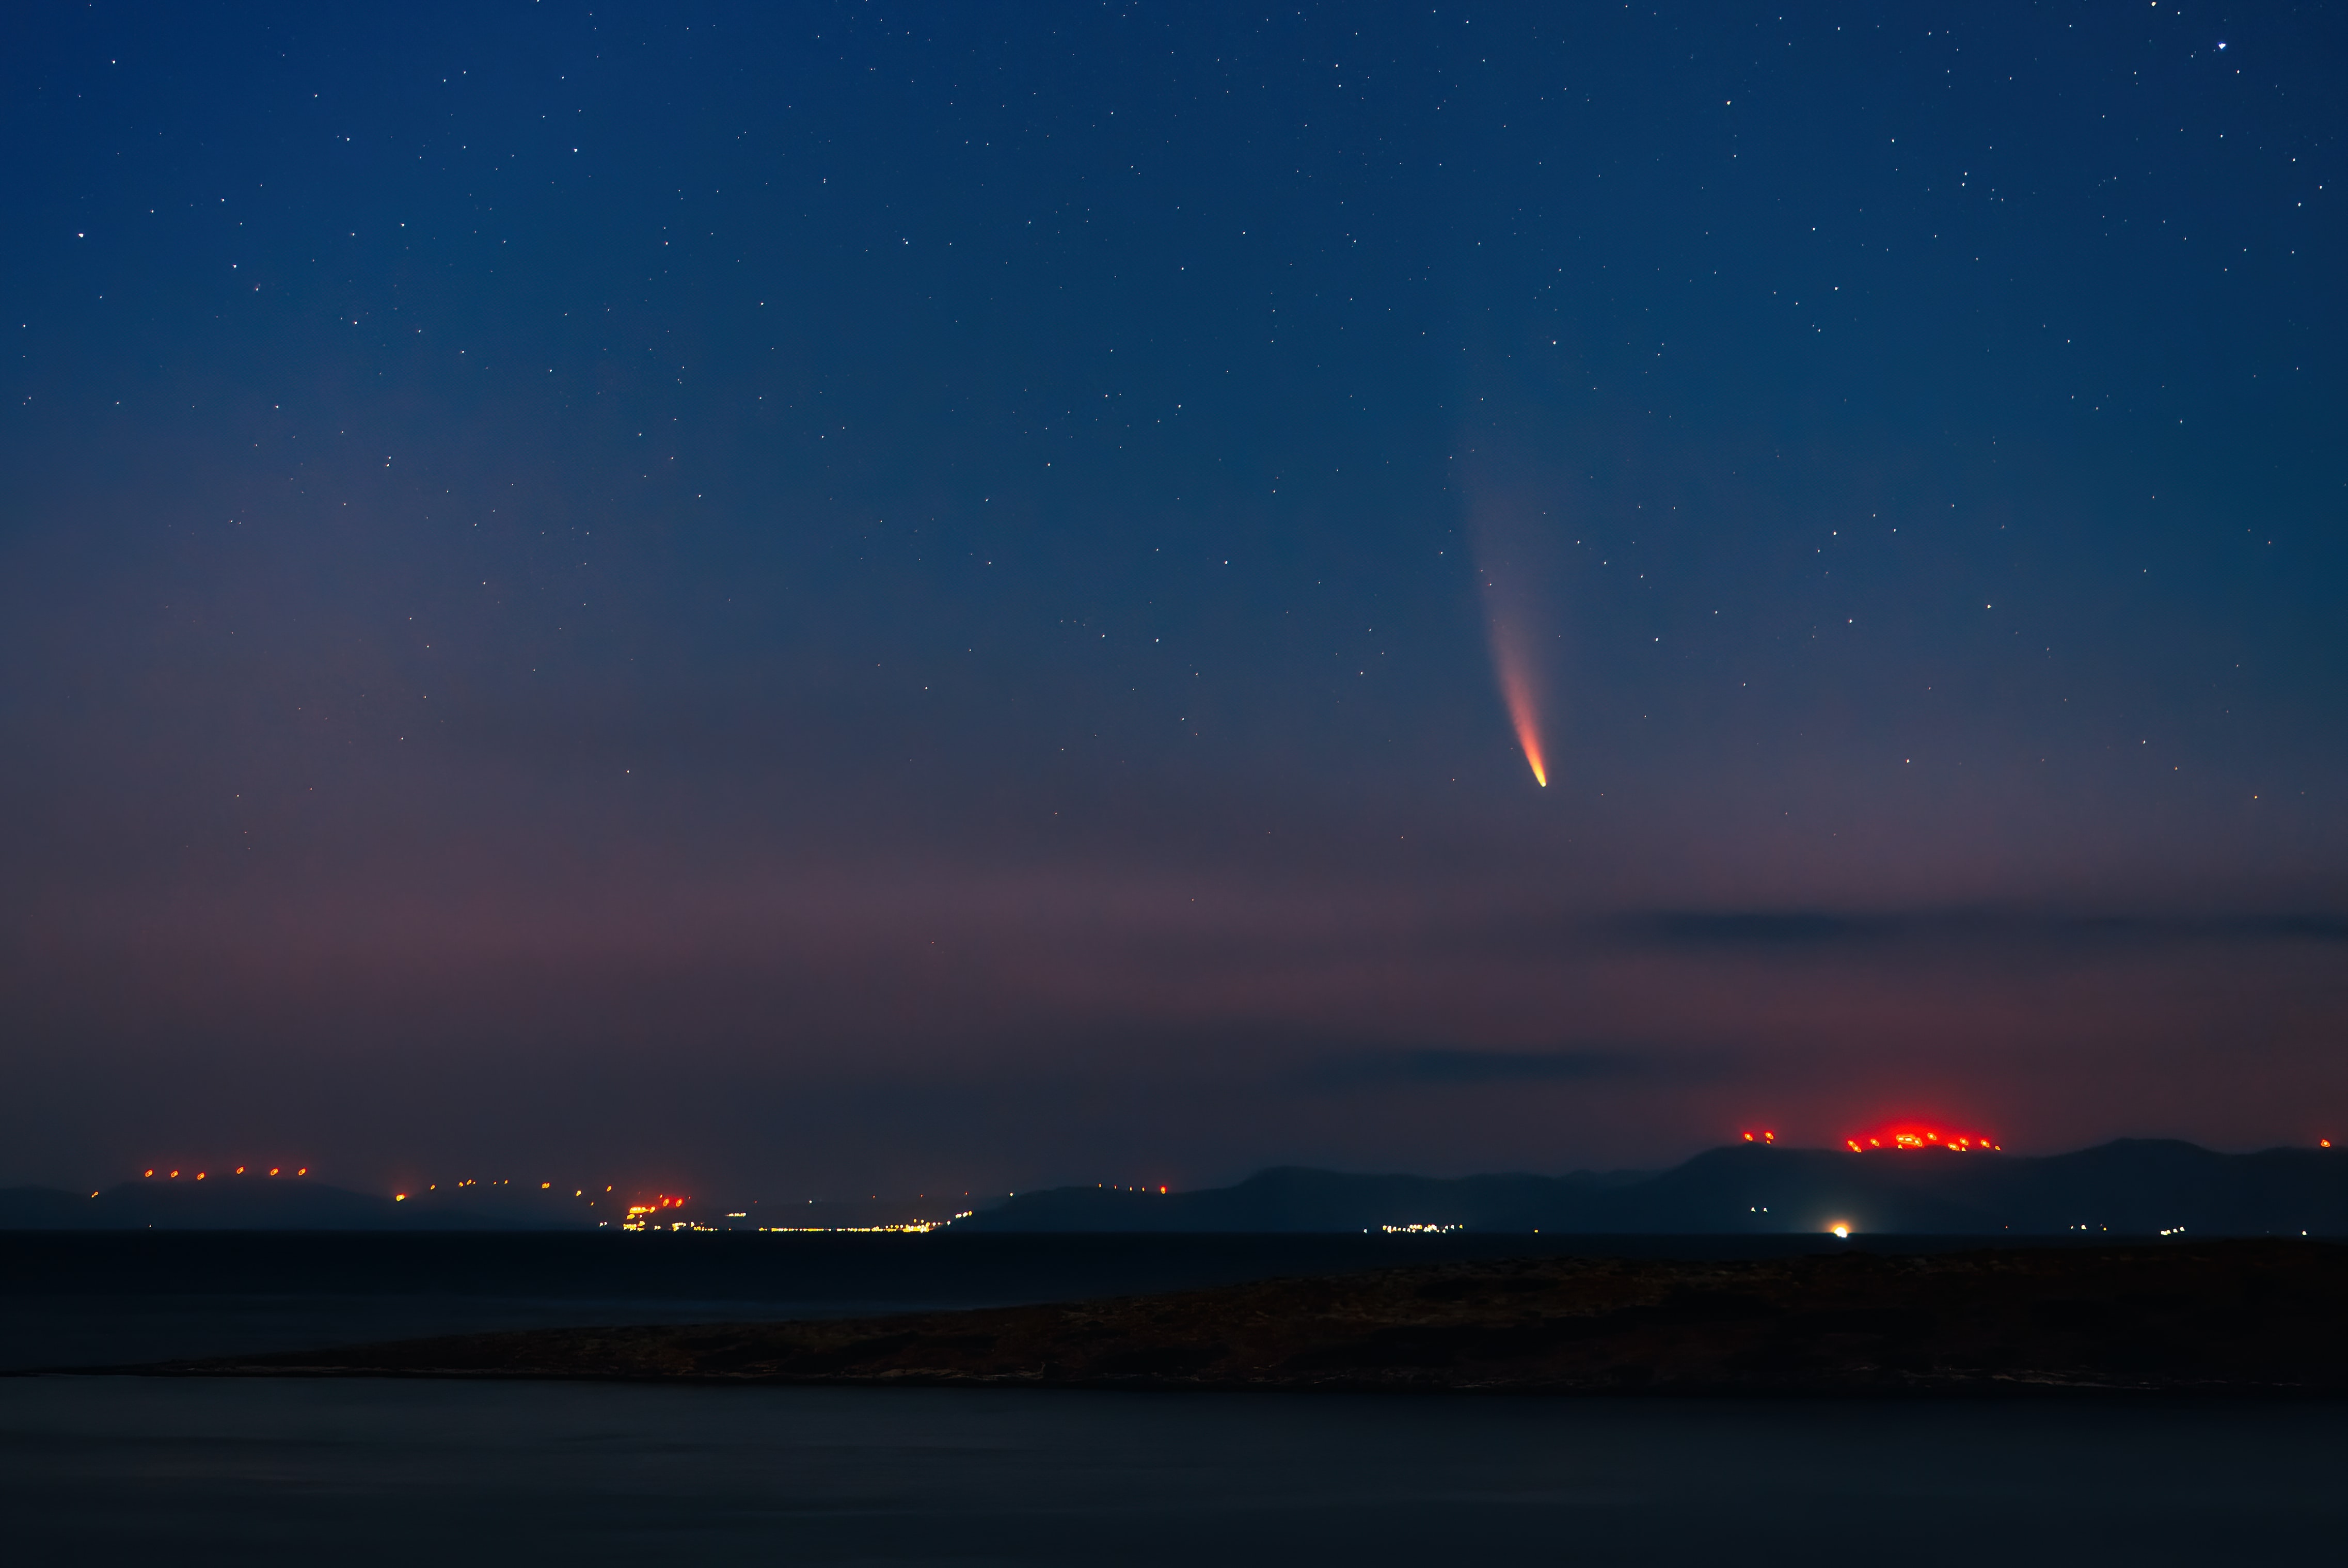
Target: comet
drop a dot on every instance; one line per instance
(1520, 689)
(1511, 542)
(1511, 607)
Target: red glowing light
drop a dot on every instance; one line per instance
(1922, 1135)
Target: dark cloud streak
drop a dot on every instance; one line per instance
(1800, 931)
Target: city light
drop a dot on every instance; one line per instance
(907, 1228)
(639, 1215)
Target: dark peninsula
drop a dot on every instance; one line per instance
(2228, 1317)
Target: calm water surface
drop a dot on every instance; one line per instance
(107, 1469)
(130, 1470)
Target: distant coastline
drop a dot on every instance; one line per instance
(2129, 1188)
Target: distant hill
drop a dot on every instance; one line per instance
(2132, 1186)
(262, 1204)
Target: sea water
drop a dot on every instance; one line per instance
(135, 1470)
(336, 1470)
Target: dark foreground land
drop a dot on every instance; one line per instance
(2230, 1317)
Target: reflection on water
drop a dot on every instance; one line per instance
(199, 1471)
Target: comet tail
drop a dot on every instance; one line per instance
(1517, 690)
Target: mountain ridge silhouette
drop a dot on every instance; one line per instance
(2126, 1187)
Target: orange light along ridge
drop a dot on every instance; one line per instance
(1918, 1135)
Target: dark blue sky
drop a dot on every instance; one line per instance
(842, 596)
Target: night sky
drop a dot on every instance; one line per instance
(819, 599)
